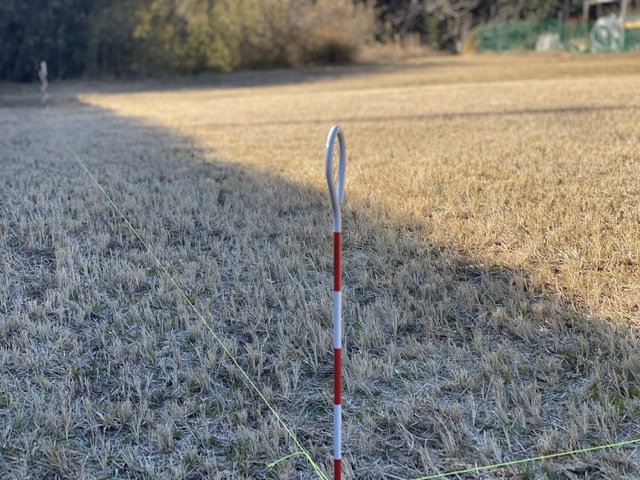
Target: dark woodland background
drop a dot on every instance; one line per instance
(136, 38)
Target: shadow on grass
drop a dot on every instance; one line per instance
(449, 362)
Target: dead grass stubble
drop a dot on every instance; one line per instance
(491, 301)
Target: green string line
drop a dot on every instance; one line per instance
(294, 454)
(302, 450)
(526, 460)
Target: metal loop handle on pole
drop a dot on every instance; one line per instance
(337, 195)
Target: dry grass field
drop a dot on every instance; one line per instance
(491, 272)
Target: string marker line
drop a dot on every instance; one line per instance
(302, 450)
(528, 460)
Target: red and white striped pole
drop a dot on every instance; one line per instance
(337, 195)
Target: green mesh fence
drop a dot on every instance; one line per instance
(605, 35)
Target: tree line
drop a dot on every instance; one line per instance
(131, 38)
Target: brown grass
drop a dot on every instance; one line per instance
(491, 272)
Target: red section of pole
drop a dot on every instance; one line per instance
(337, 261)
(337, 354)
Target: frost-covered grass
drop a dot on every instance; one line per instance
(492, 272)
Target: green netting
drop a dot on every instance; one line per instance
(554, 35)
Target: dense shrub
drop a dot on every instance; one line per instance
(251, 33)
(331, 31)
(268, 33)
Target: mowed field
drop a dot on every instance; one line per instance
(491, 273)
